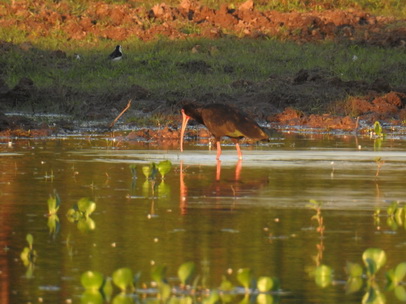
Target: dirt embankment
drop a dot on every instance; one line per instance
(289, 103)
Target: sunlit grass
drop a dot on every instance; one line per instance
(160, 66)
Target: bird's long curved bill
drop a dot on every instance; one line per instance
(185, 119)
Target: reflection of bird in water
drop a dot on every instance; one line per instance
(221, 190)
(117, 54)
(222, 120)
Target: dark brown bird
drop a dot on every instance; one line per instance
(222, 120)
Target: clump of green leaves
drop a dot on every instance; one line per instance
(396, 215)
(81, 212)
(123, 278)
(54, 202)
(164, 167)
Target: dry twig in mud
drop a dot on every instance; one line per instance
(122, 112)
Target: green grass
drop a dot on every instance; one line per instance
(160, 66)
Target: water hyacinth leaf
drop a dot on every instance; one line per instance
(373, 296)
(158, 273)
(146, 170)
(30, 240)
(353, 284)
(400, 272)
(164, 292)
(53, 224)
(374, 259)
(226, 285)
(86, 206)
(264, 284)
(378, 128)
(164, 167)
(86, 224)
(323, 275)
(123, 278)
(25, 256)
(400, 293)
(185, 272)
(213, 298)
(392, 208)
(91, 297)
(244, 276)
(92, 280)
(353, 269)
(53, 204)
(149, 171)
(399, 216)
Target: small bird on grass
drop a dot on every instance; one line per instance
(117, 54)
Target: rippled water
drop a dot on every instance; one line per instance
(222, 216)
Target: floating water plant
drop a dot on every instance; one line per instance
(123, 279)
(185, 272)
(374, 259)
(150, 171)
(54, 201)
(92, 280)
(377, 129)
(323, 275)
(81, 212)
(245, 277)
(29, 255)
(164, 167)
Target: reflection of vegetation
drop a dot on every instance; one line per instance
(379, 163)
(28, 256)
(54, 202)
(396, 216)
(98, 287)
(80, 213)
(374, 259)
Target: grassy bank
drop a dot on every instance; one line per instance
(197, 67)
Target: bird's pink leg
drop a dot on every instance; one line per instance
(237, 146)
(218, 150)
(218, 170)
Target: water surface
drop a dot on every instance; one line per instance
(222, 216)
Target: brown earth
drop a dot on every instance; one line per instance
(287, 104)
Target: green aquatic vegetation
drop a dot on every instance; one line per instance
(323, 275)
(377, 129)
(92, 280)
(185, 272)
(80, 213)
(123, 279)
(54, 201)
(164, 167)
(245, 277)
(150, 171)
(96, 284)
(29, 255)
(396, 215)
(374, 259)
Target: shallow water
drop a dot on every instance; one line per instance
(222, 216)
